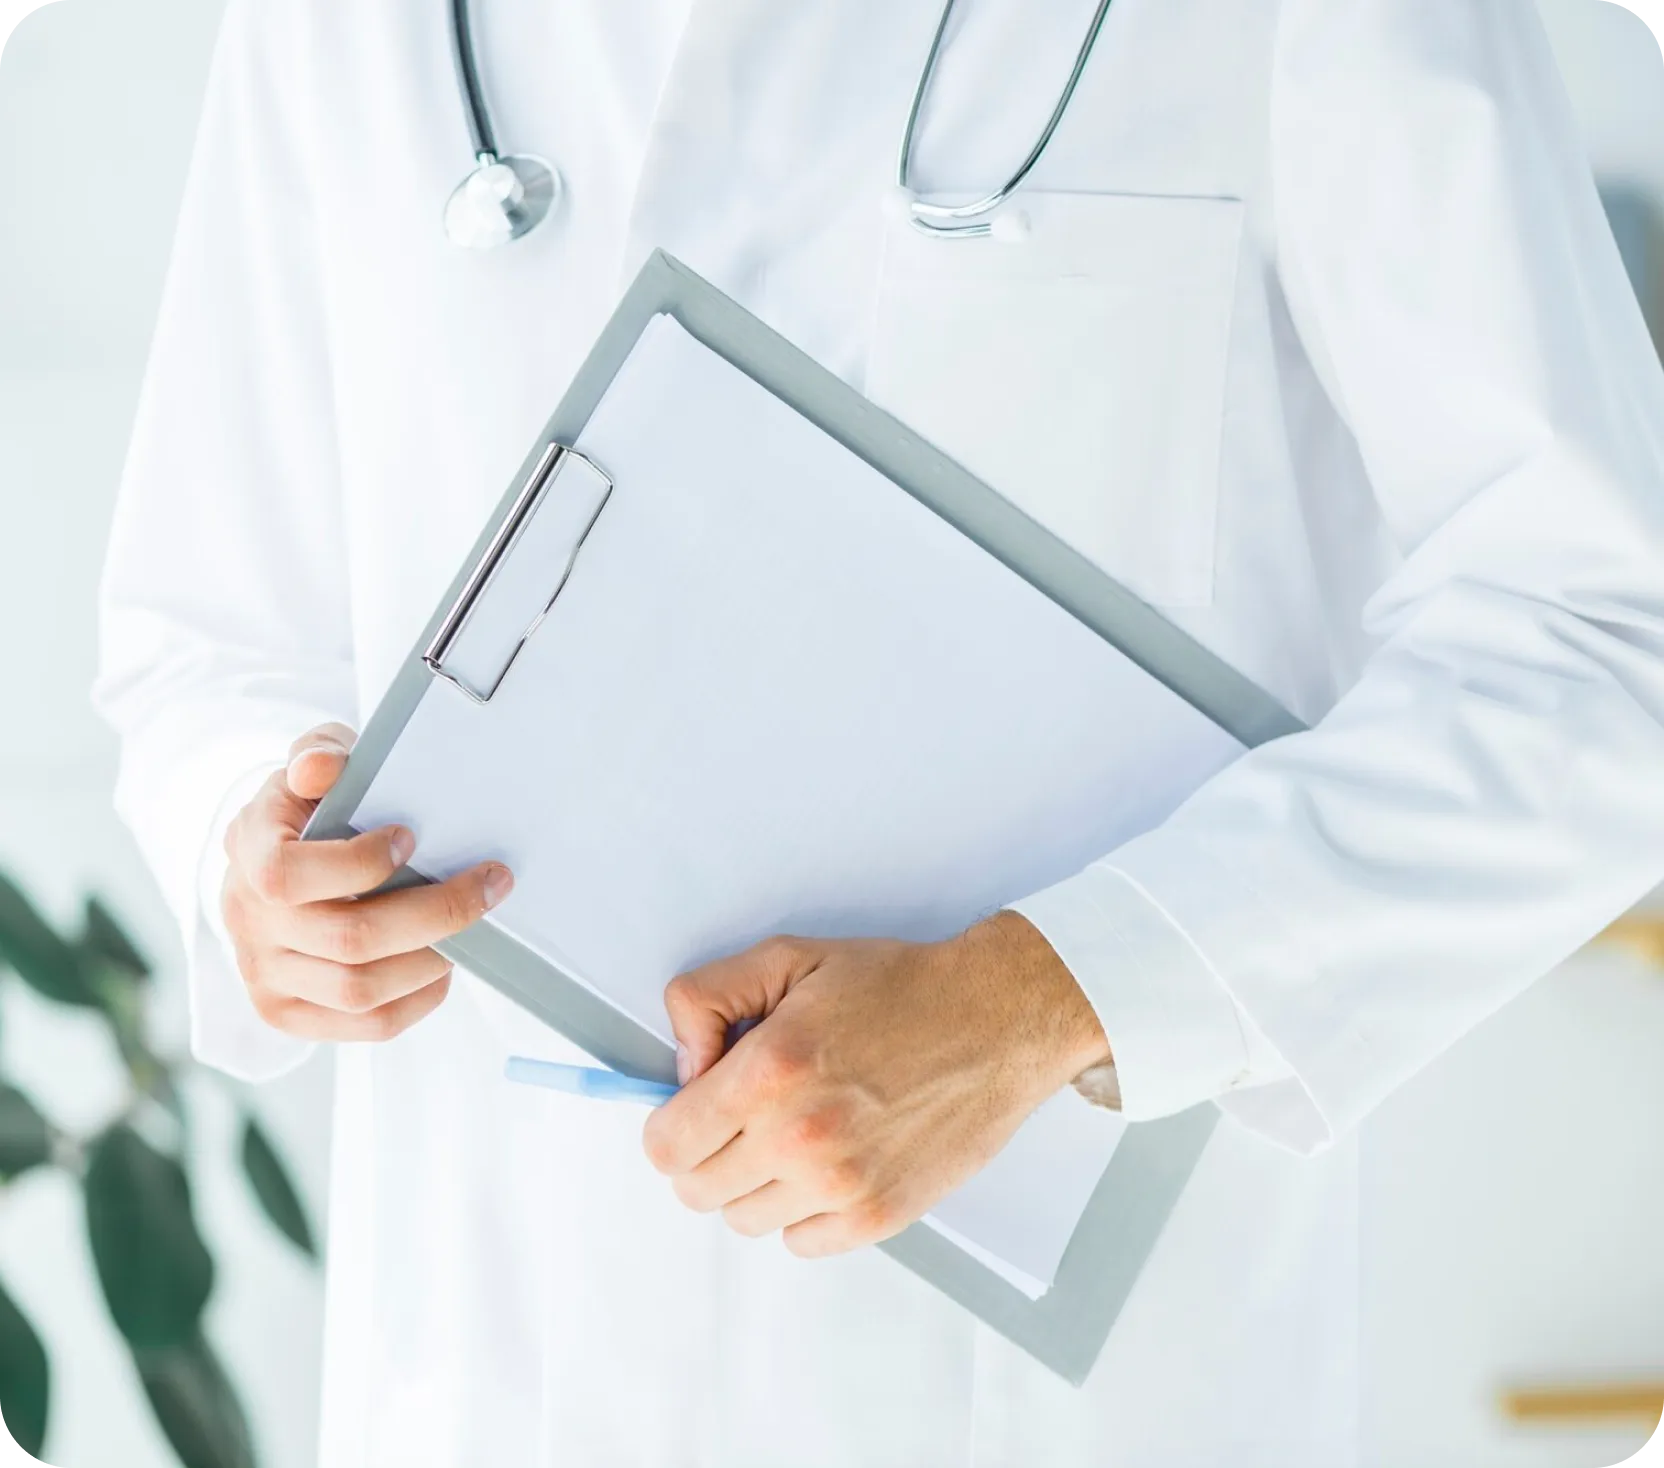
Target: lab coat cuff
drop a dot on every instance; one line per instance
(1173, 1030)
(178, 791)
(226, 1030)
(1201, 913)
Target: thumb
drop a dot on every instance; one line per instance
(706, 1004)
(316, 760)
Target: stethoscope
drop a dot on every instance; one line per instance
(507, 196)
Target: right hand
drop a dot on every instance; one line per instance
(322, 962)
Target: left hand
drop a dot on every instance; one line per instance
(882, 1076)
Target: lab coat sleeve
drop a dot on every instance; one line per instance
(224, 614)
(1490, 792)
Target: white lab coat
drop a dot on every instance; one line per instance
(1400, 464)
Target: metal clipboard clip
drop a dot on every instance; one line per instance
(521, 573)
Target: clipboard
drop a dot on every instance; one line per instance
(1066, 1327)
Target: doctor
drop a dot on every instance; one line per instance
(1306, 325)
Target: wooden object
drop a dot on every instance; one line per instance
(1641, 933)
(1586, 1405)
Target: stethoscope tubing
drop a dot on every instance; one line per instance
(949, 219)
(480, 131)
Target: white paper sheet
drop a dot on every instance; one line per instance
(779, 695)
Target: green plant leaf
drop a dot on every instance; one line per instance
(196, 1405)
(25, 1378)
(270, 1181)
(103, 936)
(25, 1138)
(152, 1263)
(164, 1090)
(43, 960)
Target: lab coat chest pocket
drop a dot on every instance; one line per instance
(1079, 371)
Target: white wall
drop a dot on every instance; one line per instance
(1612, 69)
(90, 192)
(1515, 1193)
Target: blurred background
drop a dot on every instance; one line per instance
(1514, 1193)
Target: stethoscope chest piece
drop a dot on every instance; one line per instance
(509, 195)
(502, 199)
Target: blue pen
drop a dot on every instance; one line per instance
(585, 1080)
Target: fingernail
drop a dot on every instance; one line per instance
(402, 847)
(499, 882)
(684, 1065)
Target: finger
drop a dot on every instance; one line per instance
(758, 1072)
(316, 760)
(282, 868)
(772, 1207)
(313, 1022)
(362, 930)
(825, 1234)
(353, 989)
(694, 1124)
(736, 1170)
(705, 1003)
(274, 812)
(332, 735)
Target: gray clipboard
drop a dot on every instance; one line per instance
(1067, 1327)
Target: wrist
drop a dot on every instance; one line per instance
(1045, 1012)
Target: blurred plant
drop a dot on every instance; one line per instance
(153, 1266)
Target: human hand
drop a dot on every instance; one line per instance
(320, 961)
(882, 1076)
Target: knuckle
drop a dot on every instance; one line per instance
(258, 994)
(812, 1130)
(681, 991)
(232, 908)
(351, 933)
(844, 1179)
(381, 1025)
(355, 991)
(364, 862)
(462, 903)
(269, 875)
(745, 1224)
(875, 1217)
(777, 1067)
(660, 1147)
(251, 964)
(691, 1193)
(780, 951)
(380, 859)
(803, 1244)
(268, 806)
(272, 1008)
